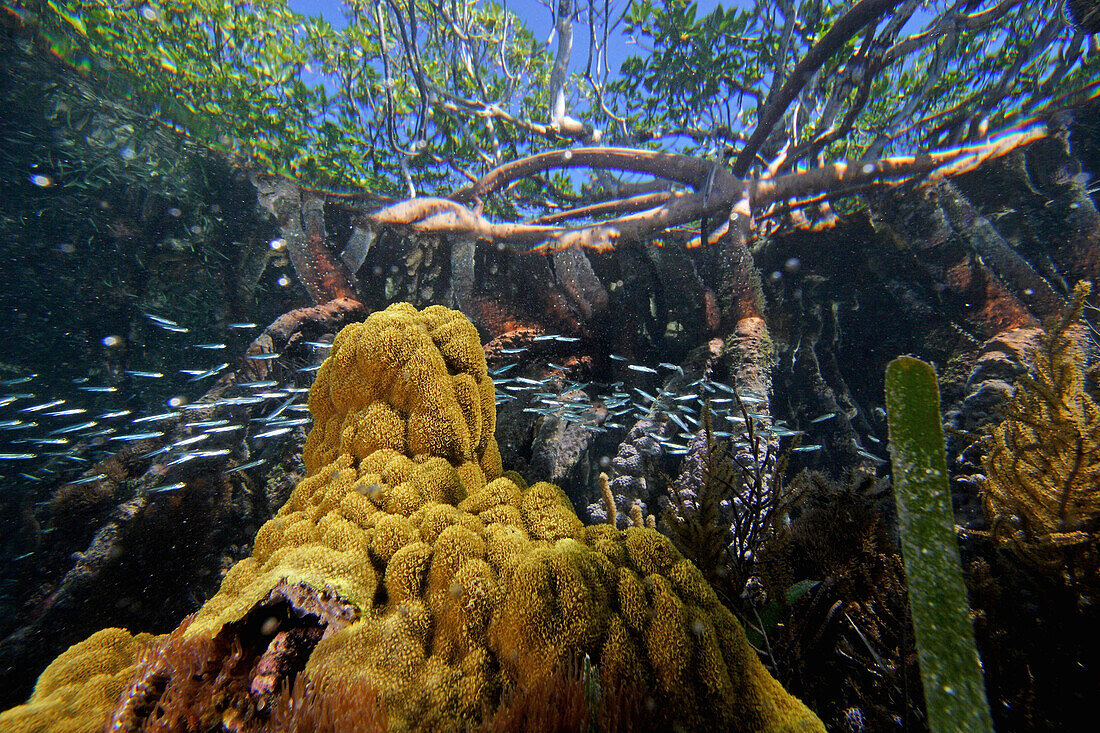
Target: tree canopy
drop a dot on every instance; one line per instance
(423, 98)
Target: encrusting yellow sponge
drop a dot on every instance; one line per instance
(407, 564)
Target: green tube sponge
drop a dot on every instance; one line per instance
(954, 691)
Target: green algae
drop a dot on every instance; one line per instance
(951, 672)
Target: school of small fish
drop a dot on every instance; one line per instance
(46, 438)
(674, 410)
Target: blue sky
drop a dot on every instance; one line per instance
(536, 15)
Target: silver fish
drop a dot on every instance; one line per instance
(89, 479)
(166, 488)
(209, 372)
(74, 428)
(246, 466)
(144, 375)
(273, 433)
(159, 319)
(292, 423)
(223, 429)
(155, 418)
(871, 456)
(43, 406)
(137, 436)
(206, 424)
(239, 401)
(190, 441)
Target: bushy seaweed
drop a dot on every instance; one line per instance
(1042, 487)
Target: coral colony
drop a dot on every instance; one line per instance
(409, 565)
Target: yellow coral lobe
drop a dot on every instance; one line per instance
(410, 381)
(421, 572)
(547, 513)
(501, 491)
(79, 690)
(407, 570)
